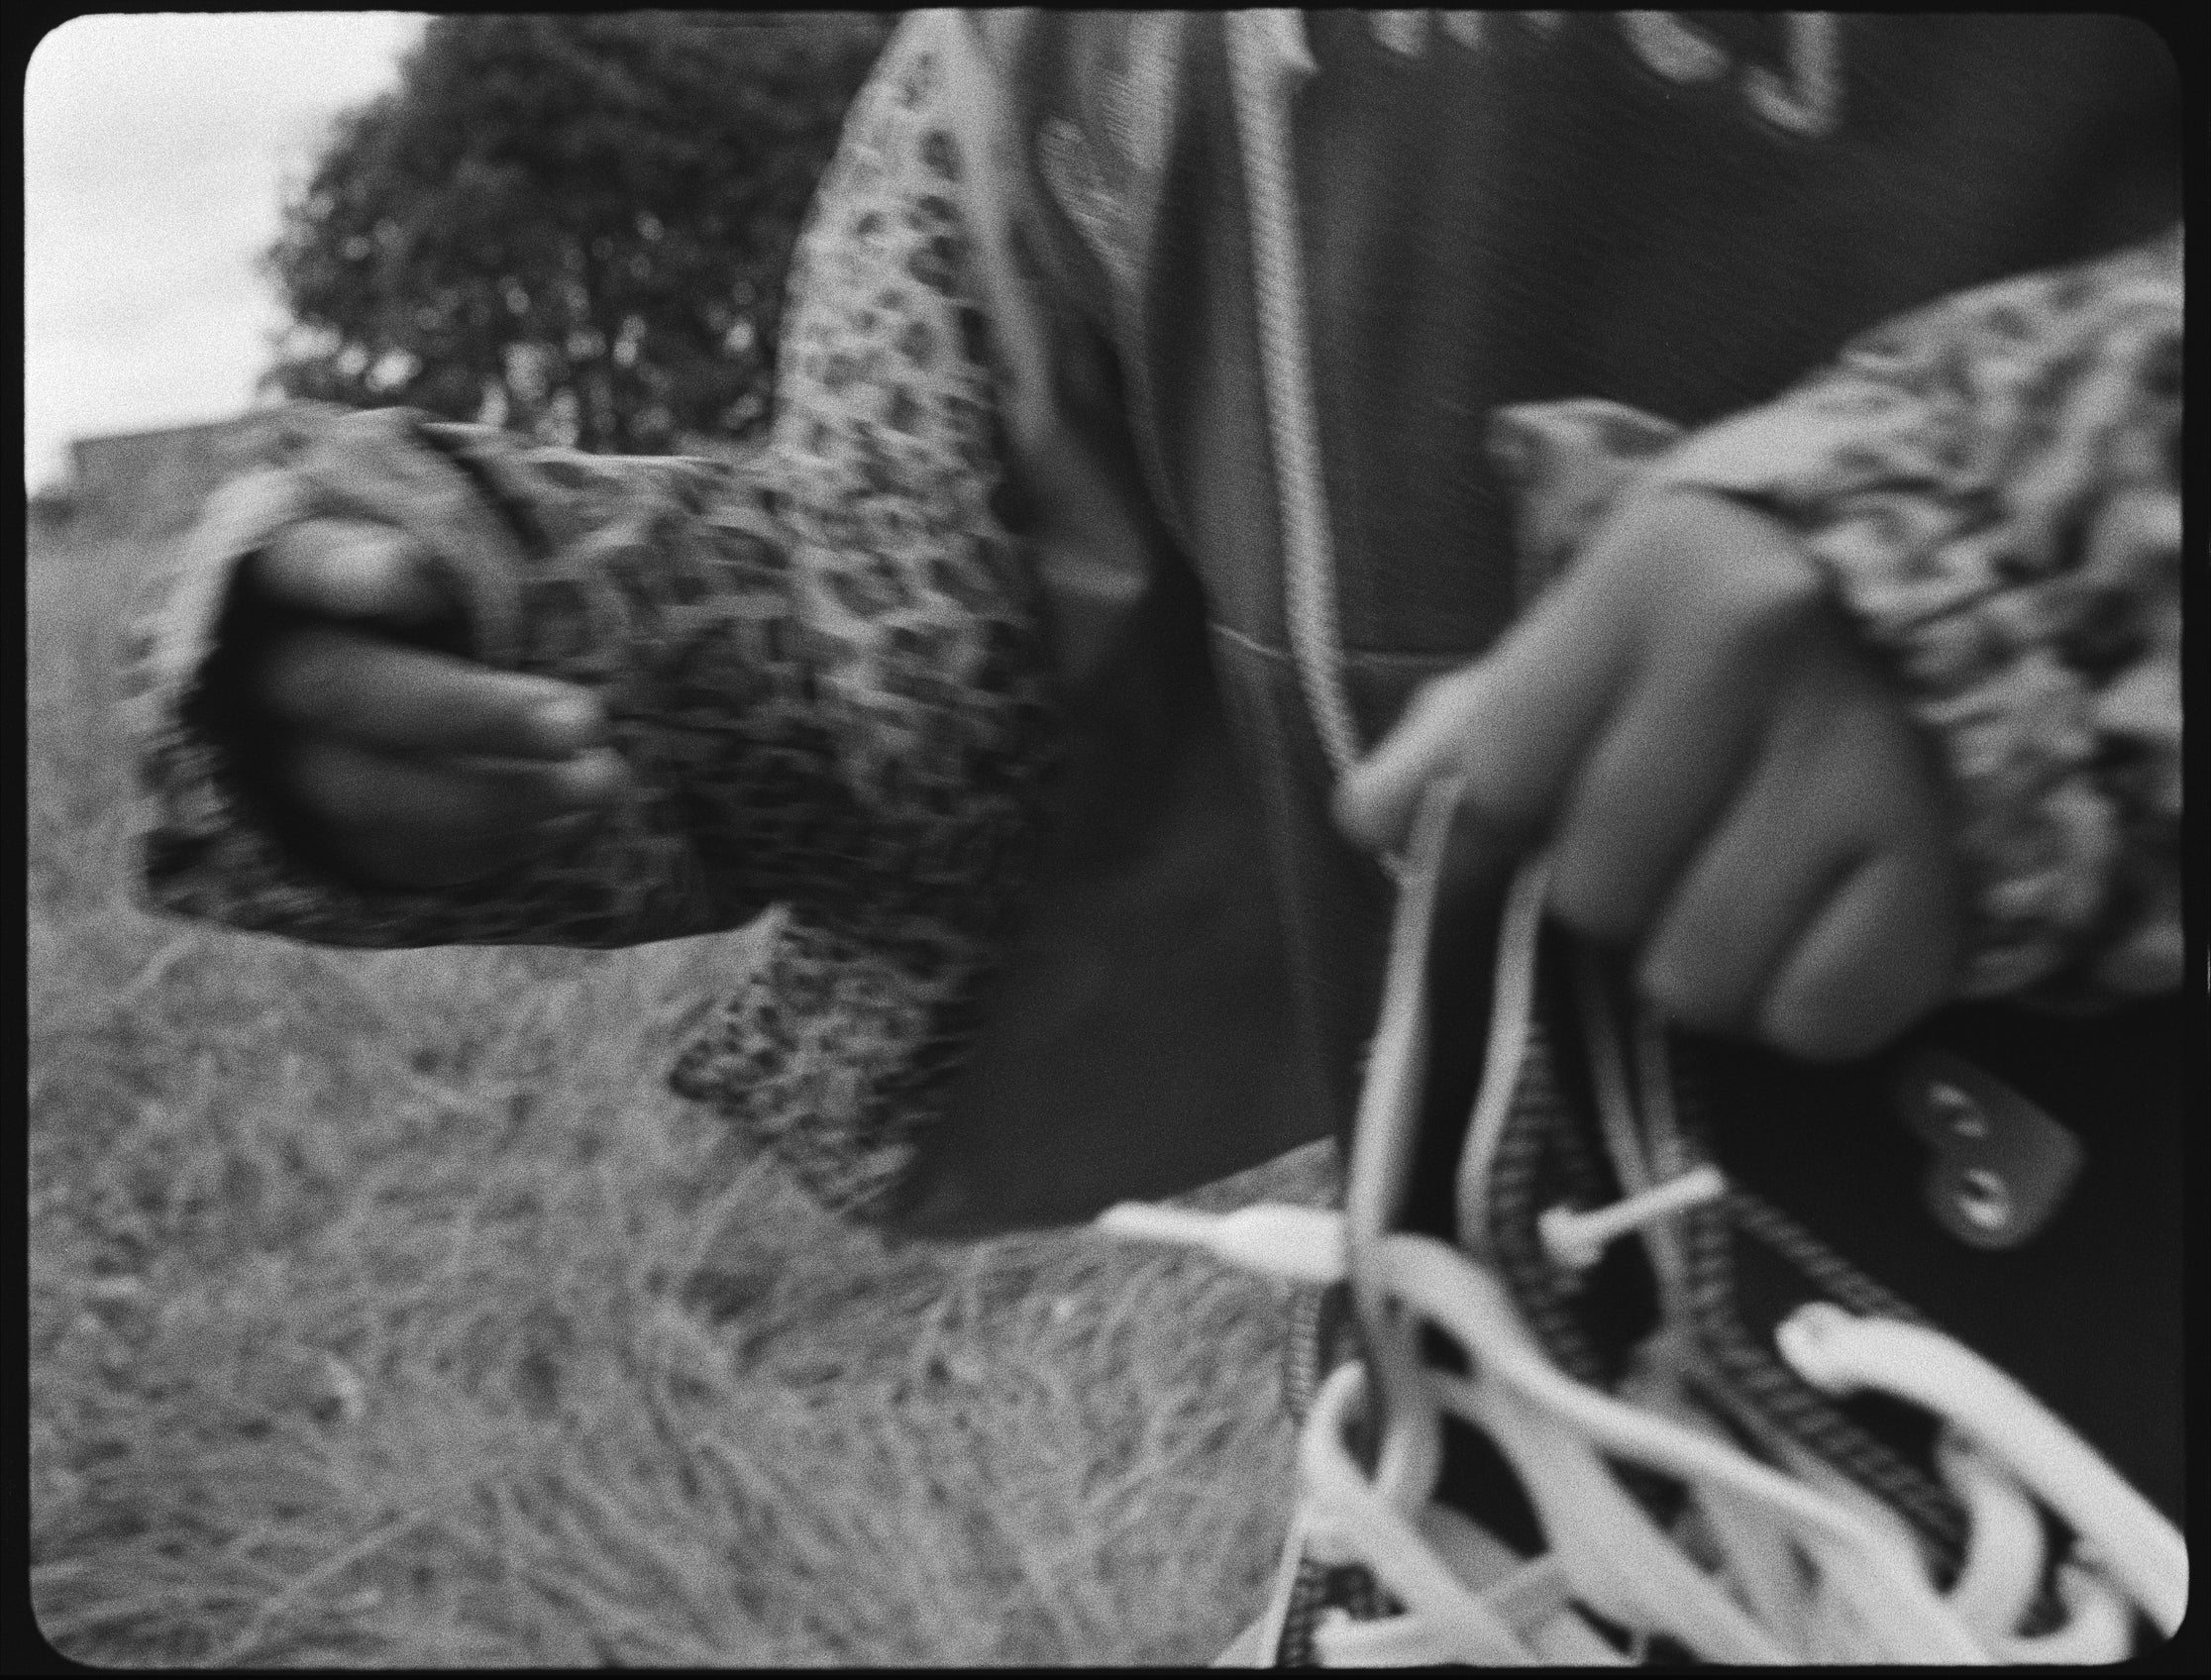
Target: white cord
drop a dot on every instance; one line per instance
(1834, 1350)
(1383, 1135)
(1513, 1006)
(1268, 57)
(2004, 1564)
(1868, 1598)
(1464, 1300)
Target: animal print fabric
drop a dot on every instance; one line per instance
(824, 672)
(825, 669)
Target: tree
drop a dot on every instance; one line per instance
(574, 226)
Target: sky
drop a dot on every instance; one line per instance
(156, 147)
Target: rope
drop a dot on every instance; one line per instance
(1268, 57)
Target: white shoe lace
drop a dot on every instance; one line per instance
(1808, 1573)
(1799, 1564)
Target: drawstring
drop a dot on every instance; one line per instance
(1814, 1568)
(1268, 56)
(1835, 1350)
(1798, 1563)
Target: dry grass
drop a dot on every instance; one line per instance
(384, 1310)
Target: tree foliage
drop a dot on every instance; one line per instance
(574, 226)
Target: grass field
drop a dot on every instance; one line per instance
(384, 1310)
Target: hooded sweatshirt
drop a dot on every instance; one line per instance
(1164, 398)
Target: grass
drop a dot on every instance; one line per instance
(386, 1310)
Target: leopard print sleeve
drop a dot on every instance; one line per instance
(553, 577)
(825, 670)
(1992, 487)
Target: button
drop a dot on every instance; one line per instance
(1984, 1200)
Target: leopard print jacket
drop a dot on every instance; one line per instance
(826, 668)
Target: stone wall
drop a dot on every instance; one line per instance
(150, 482)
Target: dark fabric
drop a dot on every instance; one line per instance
(1143, 1042)
(1537, 215)
(2088, 1313)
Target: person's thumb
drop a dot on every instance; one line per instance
(1512, 727)
(348, 568)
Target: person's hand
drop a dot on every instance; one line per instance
(408, 768)
(1728, 785)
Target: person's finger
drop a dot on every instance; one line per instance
(1843, 803)
(1512, 727)
(1874, 959)
(1655, 785)
(352, 789)
(1710, 679)
(1374, 801)
(406, 862)
(348, 568)
(1742, 900)
(381, 694)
